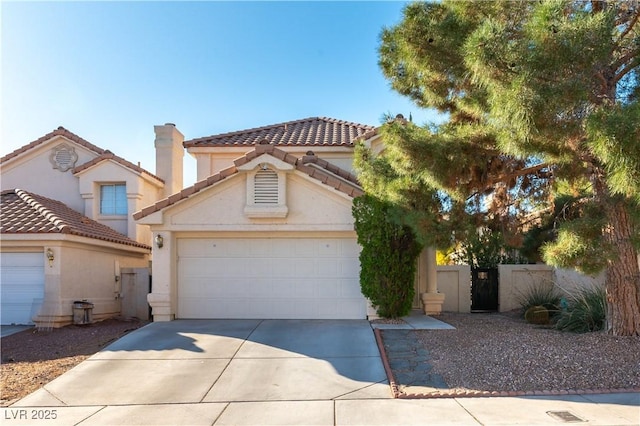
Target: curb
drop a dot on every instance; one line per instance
(467, 393)
(385, 362)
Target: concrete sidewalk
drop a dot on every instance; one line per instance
(612, 409)
(252, 372)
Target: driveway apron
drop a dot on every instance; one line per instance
(212, 361)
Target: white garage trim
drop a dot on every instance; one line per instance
(303, 278)
(22, 283)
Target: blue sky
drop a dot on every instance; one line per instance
(109, 71)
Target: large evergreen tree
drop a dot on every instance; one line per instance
(541, 100)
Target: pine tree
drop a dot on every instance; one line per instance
(542, 104)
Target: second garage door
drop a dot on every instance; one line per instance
(22, 277)
(305, 278)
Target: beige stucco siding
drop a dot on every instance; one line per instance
(82, 269)
(34, 172)
(209, 163)
(221, 208)
(315, 212)
(142, 190)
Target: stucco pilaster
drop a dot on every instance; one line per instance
(431, 300)
(163, 296)
(133, 200)
(51, 309)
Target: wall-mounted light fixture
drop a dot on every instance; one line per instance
(50, 257)
(159, 241)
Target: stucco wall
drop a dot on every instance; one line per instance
(568, 280)
(81, 270)
(516, 279)
(35, 173)
(514, 282)
(141, 192)
(221, 208)
(209, 163)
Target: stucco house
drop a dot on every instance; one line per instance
(267, 230)
(66, 227)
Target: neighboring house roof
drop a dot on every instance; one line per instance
(102, 153)
(371, 133)
(23, 212)
(313, 131)
(60, 131)
(311, 165)
(108, 155)
(375, 131)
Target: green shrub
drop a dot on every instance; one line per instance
(537, 315)
(544, 294)
(586, 311)
(387, 259)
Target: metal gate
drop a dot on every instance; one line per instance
(484, 289)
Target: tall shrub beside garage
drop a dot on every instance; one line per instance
(388, 257)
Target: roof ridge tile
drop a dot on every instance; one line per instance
(60, 131)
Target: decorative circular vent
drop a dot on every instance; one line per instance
(63, 157)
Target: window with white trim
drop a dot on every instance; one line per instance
(113, 199)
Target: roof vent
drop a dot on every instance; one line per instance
(170, 124)
(266, 187)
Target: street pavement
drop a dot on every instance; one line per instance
(274, 372)
(8, 330)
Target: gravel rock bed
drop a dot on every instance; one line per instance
(501, 352)
(31, 359)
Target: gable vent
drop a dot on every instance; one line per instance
(265, 187)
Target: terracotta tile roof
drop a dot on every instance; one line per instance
(313, 166)
(108, 155)
(60, 131)
(102, 153)
(368, 135)
(311, 158)
(23, 212)
(313, 131)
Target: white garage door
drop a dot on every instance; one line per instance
(22, 282)
(269, 278)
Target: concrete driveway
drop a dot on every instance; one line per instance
(221, 361)
(251, 372)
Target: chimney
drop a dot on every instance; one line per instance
(169, 156)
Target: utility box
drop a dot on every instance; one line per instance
(82, 312)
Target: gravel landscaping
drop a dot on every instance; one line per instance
(486, 352)
(502, 352)
(31, 359)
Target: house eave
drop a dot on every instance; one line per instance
(26, 239)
